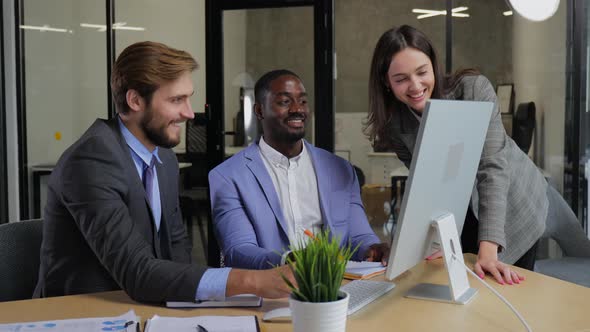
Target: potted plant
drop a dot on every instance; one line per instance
(317, 304)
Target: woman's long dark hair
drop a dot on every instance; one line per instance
(382, 103)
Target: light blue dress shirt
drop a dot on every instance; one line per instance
(141, 157)
(213, 282)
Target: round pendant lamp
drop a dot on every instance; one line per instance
(535, 10)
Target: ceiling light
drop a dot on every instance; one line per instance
(507, 13)
(99, 27)
(44, 28)
(535, 10)
(116, 26)
(425, 13)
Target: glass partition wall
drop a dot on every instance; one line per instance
(531, 58)
(255, 42)
(64, 81)
(65, 85)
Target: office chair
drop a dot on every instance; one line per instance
(360, 175)
(574, 266)
(194, 192)
(20, 244)
(524, 125)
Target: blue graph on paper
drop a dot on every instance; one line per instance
(29, 327)
(119, 323)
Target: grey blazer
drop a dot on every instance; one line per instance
(510, 194)
(98, 230)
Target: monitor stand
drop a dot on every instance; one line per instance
(458, 290)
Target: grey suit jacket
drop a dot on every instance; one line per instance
(99, 233)
(510, 194)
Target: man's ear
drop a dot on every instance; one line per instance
(134, 100)
(258, 111)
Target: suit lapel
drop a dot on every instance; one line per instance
(256, 165)
(408, 128)
(409, 140)
(130, 169)
(324, 181)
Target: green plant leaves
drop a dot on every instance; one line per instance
(319, 268)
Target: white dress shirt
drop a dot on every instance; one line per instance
(297, 187)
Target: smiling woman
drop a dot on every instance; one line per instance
(404, 75)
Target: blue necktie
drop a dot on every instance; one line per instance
(148, 185)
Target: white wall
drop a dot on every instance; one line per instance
(539, 57)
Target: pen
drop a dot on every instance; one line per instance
(309, 233)
(200, 328)
(129, 323)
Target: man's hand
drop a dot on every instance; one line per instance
(378, 252)
(487, 261)
(264, 283)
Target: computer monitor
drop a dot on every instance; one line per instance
(441, 179)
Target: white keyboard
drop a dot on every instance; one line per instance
(363, 292)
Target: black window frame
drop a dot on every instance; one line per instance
(3, 146)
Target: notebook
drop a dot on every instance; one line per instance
(203, 323)
(242, 300)
(363, 270)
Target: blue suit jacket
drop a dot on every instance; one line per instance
(247, 214)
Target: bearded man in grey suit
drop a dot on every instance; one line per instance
(112, 219)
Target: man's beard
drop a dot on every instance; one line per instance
(287, 137)
(281, 134)
(157, 135)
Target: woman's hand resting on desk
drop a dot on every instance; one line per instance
(378, 252)
(487, 261)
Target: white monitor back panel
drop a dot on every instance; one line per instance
(442, 175)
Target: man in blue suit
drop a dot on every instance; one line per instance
(266, 196)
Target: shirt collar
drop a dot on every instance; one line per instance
(275, 157)
(136, 146)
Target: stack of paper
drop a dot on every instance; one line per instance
(203, 324)
(126, 322)
(243, 300)
(363, 270)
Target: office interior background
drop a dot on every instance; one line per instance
(57, 56)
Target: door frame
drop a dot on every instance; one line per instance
(323, 79)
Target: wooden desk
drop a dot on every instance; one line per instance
(547, 304)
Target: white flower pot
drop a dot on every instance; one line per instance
(319, 317)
